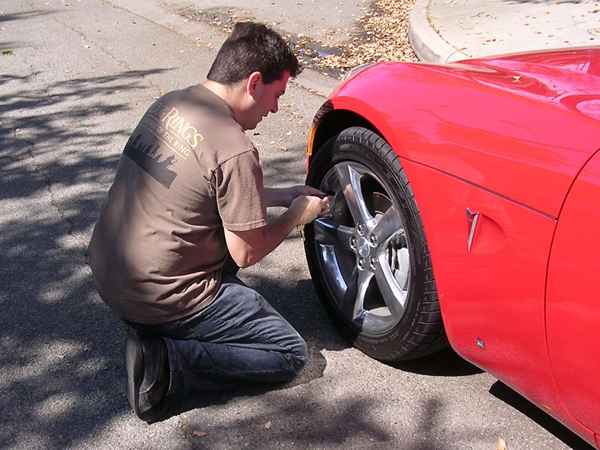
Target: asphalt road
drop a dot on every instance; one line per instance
(75, 77)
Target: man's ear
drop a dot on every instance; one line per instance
(253, 83)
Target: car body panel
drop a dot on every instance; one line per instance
(504, 137)
(573, 311)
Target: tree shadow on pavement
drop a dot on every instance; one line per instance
(283, 421)
(313, 420)
(60, 348)
(520, 403)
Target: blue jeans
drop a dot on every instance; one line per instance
(238, 338)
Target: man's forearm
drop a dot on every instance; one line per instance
(273, 234)
(249, 247)
(277, 197)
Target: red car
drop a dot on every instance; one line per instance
(467, 211)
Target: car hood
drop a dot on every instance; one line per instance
(570, 77)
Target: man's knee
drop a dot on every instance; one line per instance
(299, 355)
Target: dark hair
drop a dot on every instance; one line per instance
(253, 47)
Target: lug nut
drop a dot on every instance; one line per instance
(361, 229)
(353, 243)
(373, 239)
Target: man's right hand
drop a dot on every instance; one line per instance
(308, 208)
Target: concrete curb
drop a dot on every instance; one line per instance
(425, 40)
(316, 83)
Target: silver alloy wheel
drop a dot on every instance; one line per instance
(363, 249)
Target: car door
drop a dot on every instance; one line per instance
(573, 303)
(490, 257)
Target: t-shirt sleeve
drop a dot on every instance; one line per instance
(239, 191)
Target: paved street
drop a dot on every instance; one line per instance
(76, 76)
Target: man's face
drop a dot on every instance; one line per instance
(265, 98)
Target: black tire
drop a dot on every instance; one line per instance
(416, 330)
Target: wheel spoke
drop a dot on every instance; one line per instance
(363, 241)
(328, 232)
(393, 296)
(388, 225)
(354, 299)
(403, 267)
(349, 178)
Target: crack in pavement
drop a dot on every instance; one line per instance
(47, 180)
(119, 62)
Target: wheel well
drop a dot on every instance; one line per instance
(335, 122)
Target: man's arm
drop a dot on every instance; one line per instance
(285, 196)
(248, 247)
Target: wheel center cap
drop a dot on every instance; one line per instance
(362, 247)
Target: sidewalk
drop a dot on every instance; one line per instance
(449, 30)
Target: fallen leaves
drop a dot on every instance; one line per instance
(501, 444)
(190, 432)
(595, 31)
(381, 35)
(384, 37)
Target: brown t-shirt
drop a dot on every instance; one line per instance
(187, 171)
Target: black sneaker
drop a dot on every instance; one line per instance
(147, 376)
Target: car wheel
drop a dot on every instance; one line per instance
(368, 257)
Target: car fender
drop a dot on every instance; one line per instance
(463, 120)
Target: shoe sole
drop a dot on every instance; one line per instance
(135, 366)
(135, 372)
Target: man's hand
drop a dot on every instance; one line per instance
(307, 208)
(297, 191)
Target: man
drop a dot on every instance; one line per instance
(187, 203)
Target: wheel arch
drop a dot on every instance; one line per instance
(330, 122)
